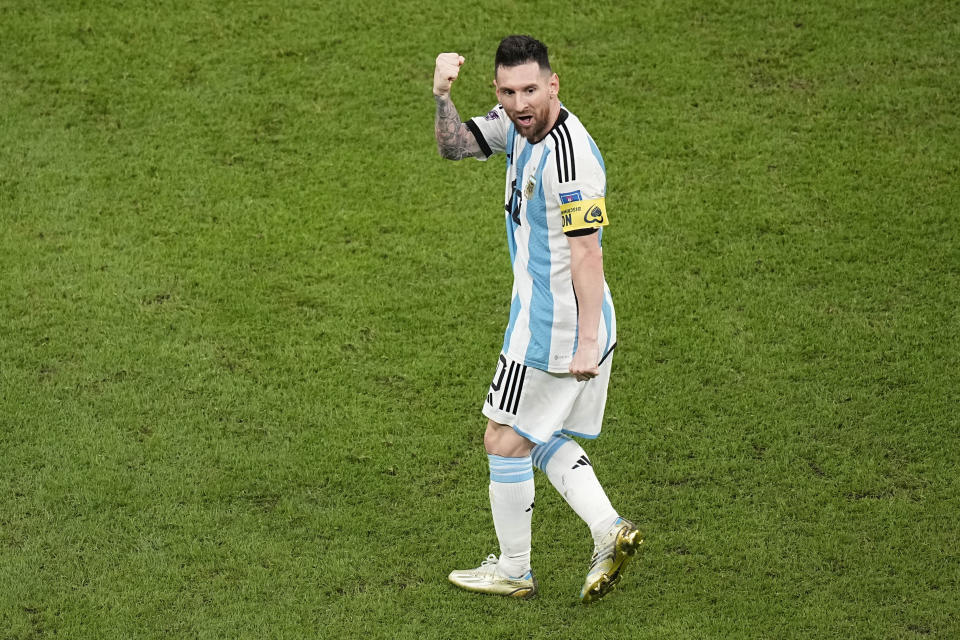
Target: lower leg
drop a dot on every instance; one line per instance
(511, 496)
(571, 473)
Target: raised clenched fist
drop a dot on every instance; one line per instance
(446, 71)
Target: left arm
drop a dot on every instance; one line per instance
(586, 268)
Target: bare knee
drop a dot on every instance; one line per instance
(502, 440)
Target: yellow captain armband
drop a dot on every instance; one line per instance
(582, 214)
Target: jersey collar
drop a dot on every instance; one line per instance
(561, 118)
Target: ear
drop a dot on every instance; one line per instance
(496, 89)
(554, 85)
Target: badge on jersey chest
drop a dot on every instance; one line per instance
(530, 185)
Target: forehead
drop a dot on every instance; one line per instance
(522, 75)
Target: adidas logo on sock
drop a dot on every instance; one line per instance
(531, 508)
(582, 462)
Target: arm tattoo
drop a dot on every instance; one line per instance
(453, 138)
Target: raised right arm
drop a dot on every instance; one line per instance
(454, 140)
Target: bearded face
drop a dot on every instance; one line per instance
(529, 97)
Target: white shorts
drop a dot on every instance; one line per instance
(538, 404)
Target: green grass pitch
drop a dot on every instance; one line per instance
(249, 316)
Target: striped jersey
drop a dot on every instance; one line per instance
(553, 187)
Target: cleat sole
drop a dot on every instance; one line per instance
(629, 543)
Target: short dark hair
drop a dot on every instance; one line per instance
(517, 50)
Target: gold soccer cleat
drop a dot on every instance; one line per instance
(609, 557)
(485, 579)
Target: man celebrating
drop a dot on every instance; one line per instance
(551, 379)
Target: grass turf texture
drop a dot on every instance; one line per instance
(249, 316)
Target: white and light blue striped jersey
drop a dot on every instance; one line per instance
(554, 186)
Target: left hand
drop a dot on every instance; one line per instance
(584, 365)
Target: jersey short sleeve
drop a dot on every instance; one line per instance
(581, 181)
(490, 131)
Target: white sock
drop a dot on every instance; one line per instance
(571, 473)
(511, 503)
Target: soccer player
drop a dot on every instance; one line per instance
(551, 379)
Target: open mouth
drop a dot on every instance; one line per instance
(525, 120)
